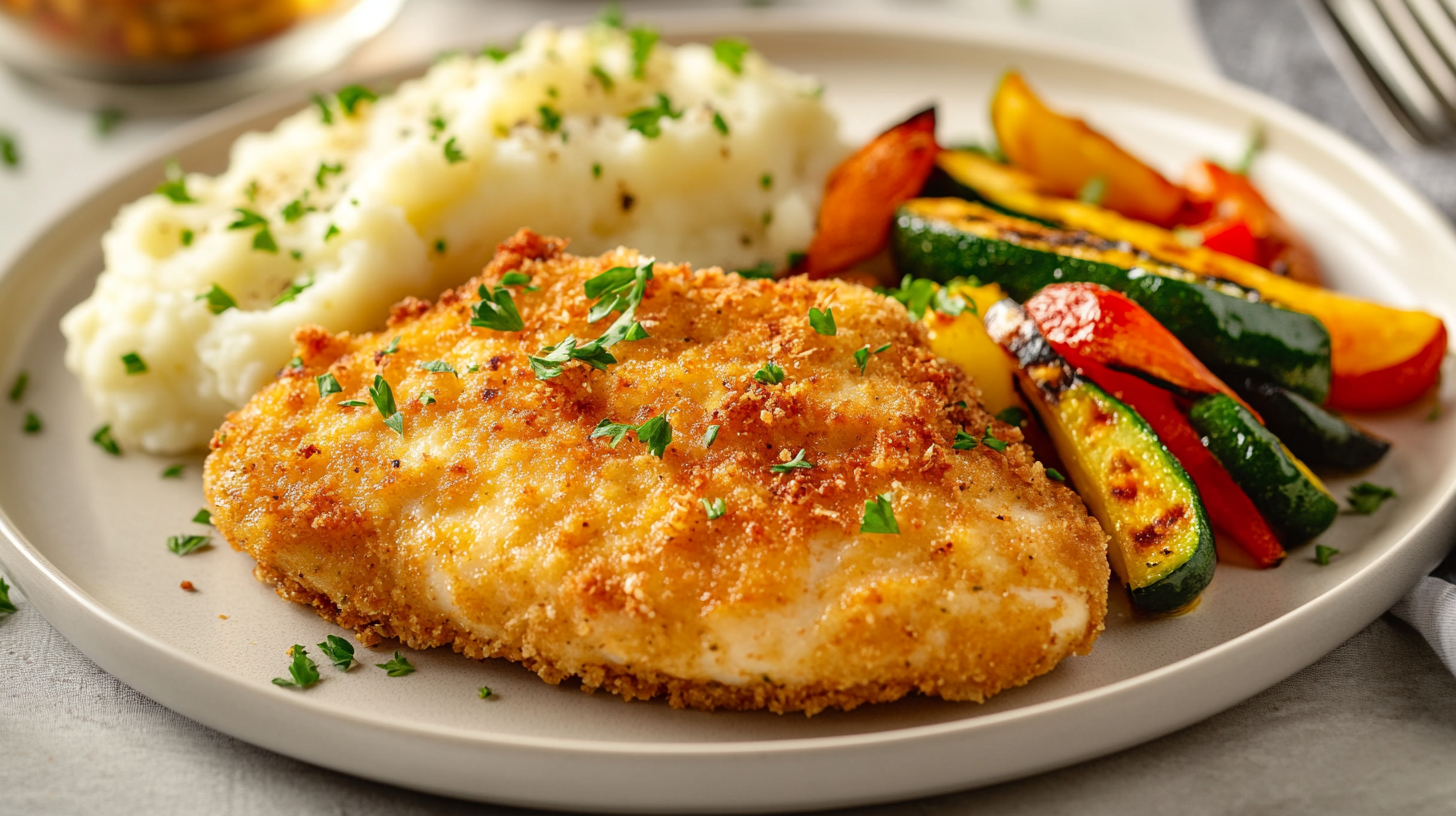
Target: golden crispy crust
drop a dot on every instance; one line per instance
(497, 526)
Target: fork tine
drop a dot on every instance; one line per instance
(1435, 18)
(1422, 53)
(1377, 70)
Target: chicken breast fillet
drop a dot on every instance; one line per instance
(495, 524)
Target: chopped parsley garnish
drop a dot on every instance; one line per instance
(340, 652)
(107, 119)
(550, 118)
(186, 544)
(611, 15)
(321, 176)
(9, 151)
(174, 471)
(437, 125)
(862, 357)
(204, 516)
(1252, 148)
(439, 367)
(823, 322)
(730, 53)
(797, 463)
(440, 246)
(293, 291)
(766, 181)
(383, 397)
(767, 217)
(103, 439)
(714, 508)
(327, 385)
(263, 239)
(1322, 554)
(764, 271)
(398, 667)
(330, 232)
(992, 442)
(518, 279)
(354, 404)
(920, 295)
(17, 390)
(175, 185)
(295, 363)
(711, 436)
(1012, 416)
(596, 170)
(495, 53)
(302, 670)
(964, 441)
(644, 39)
(496, 310)
(719, 123)
(6, 605)
(134, 363)
(619, 288)
(325, 115)
(603, 77)
(392, 348)
(427, 397)
(218, 300)
(485, 692)
(770, 374)
(879, 516)
(1093, 191)
(1365, 498)
(1053, 473)
(296, 209)
(655, 433)
(187, 236)
(351, 95)
(452, 153)
(648, 121)
(251, 191)
(32, 423)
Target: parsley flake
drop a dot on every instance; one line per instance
(1252, 148)
(104, 440)
(453, 155)
(603, 77)
(519, 279)
(9, 150)
(218, 300)
(920, 295)
(644, 39)
(729, 53)
(862, 357)
(383, 397)
(596, 170)
(398, 667)
(6, 605)
(296, 209)
(17, 390)
(187, 544)
(340, 652)
(771, 373)
(330, 232)
(550, 119)
(440, 246)
(292, 292)
(392, 348)
(107, 119)
(247, 219)
(711, 436)
(823, 322)
(715, 508)
(655, 433)
(263, 241)
(766, 181)
(485, 692)
(719, 123)
(351, 95)
(1053, 473)
(496, 310)
(1365, 498)
(321, 176)
(32, 423)
(174, 471)
(303, 670)
(611, 15)
(204, 516)
(1322, 554)
(648, 121)
(496, 54)
(326, 116)
(174, 187)
(187, 236)
(992, 442)
(797, 463)
(439, 367)
(1012, 416)
(964, 441)
(879, 516)
(763, 271)
(327, 384)
(354, 403)
(427, 397)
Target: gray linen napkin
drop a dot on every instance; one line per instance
(1267, 45)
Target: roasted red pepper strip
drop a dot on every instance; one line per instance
(1231, 198)
(863, 192)
(1229, 508)
(1107, 327)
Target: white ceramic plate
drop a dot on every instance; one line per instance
(83, 532)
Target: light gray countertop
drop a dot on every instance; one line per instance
(1370, 728)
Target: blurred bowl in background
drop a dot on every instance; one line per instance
(180, 56)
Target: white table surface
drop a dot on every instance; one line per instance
(1370, 728)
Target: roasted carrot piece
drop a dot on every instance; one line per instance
(1065, 154)
(863, 192)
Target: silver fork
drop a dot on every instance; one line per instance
(1399, 56)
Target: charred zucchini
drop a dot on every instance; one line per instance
(1162, 545)
(1292, 499)
(1321, 439)
(1224, 326)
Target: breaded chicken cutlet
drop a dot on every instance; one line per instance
(726, 567)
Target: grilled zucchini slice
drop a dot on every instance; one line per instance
(1321, 439)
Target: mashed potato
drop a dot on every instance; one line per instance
(355, 203)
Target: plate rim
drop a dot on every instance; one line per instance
(52, 591)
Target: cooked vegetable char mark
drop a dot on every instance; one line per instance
(730, 572)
